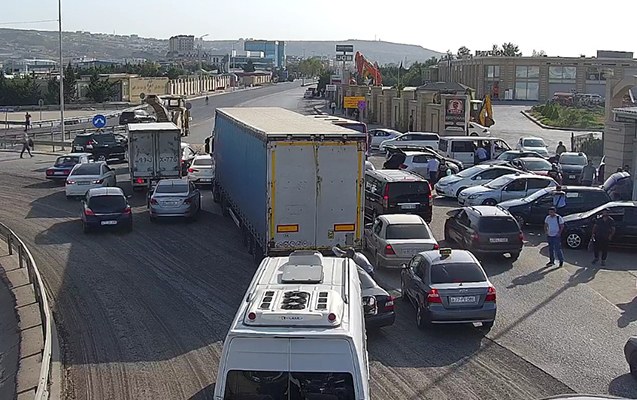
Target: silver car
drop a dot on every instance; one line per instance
(393, 239)
(174, 198)
(202, 170)
(506, 187)
(88, 176)
(452, 185)
(379, 135)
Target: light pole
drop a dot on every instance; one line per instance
(61, 71)
(199, 51)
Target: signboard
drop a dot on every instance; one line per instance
(330, 88)
(352, 101)
(7, 109)
(362, 105)
(454, 110)
(344, 57)
(99, 121)
(345, 48)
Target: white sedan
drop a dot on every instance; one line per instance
(88, 176)
(377, 136)
(452, 185)
(535, 144)
(202, 170)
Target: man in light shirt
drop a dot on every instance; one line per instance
(432, 166)
(481, 154)
(553, 226)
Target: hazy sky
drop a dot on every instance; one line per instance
(559, 27)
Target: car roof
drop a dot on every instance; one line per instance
(75, 154)
(201, 156)
(401, 219)
(165, 182)
(456, 256)
(106, 191)
(488, 211)
(416, 153)
(573, 153)
(580, 188)
(532, 159)
(519, 175)
(531, 137)
(395, 175)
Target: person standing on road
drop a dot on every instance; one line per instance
(25, 144)
(559, 198)
(432, 167)
(603, 231)
(333, 107)
(560, 148)
(553, 226)
(588, 174)
(27, 121)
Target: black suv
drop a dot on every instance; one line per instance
(484, 230)
(534, 208)
(102, 146)
(571, 165)
(397, 192)
(135, 116)
(578, 228)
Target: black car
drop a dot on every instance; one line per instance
(135, 116)
(578, 228)
(106, 207)
(397, 192)
(378, 305)
(570, 166)
(506, 157)
(484, 230)
(534, 208)
(102, 146)
(445, 162)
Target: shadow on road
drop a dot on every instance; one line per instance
(623, 386)
(629, 313)
(206, 393)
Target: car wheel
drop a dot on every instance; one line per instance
(520, 220)
(459, 190)
(514, 256)
(574, 240)
(473, 134)
(421, 321)
(152, 219)
(489, 202)
(101, 157)
(486, 326)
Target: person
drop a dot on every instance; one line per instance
(603, 231)
(553, 227)
(395, 161)
(27, 121)
(559, 198)
(411, 123)
(358, 257)
(333, 107)
(432, 166)
(481, 154)
(588, 174)
(555, 173)
(25, 144)
(207, 100)
(560, 148)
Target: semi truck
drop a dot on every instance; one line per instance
(154, 153)
(289, 182)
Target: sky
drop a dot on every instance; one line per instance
(558, 27)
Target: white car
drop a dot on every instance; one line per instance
(507, 187)
(88, 176)
(393, 239)
(202, 170)
(451, 186)
(369, 166)
(428, 139)
(535, 144)
(475, 129)
(377, 136)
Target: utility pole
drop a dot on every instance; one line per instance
(199, 48)
(61, 71)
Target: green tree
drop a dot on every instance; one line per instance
(248, 67)
(463, 52)
(70, 84)
(52, 95)
(324, 80)
(511, 50)
(99, 90)
(311, 67)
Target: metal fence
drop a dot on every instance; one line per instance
(16, 245)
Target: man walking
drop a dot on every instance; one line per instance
(333, 107)
(560, 148)
(25, 144)
(553, 226)
(603, 232)
(432, 167)
(588, 174)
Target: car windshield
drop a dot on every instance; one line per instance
(407, 231)
(537, 165)
(500, 182)
(87, 169)
(573, 159)
(498, 225)
(469, 172)
(105, 204)
(66, 160)
(534, 143)
(508, 156)
(172, 188)
(456, 273)
(202, 161)
(537, 195)
(284, 385)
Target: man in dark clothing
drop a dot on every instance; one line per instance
(27, 121)
(603, 232)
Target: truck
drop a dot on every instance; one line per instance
(289, 182)
(154, 153)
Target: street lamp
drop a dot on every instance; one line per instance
(199, 51)
(61, 69)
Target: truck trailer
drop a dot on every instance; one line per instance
(154, 153)
(289, 182)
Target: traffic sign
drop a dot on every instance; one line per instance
(344, 57)
(99, 121)
(352, 101)
(330, 88)
(362, 104)
(345, 48)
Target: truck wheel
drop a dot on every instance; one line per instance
(215, 194)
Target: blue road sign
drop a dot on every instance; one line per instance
(99, 121)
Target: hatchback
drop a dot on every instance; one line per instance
(64, 164)
(106, 207)
(452, 185)
(535, 144)
(377, 136)
(174, 198)
(84, 177)
(202, 170)
(506, 187)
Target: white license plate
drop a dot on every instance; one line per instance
(571, 177)
(58, 173)
(498, 240)
(206, 179)
(169, 203)
(109, 222)
(83, 183)
(408, 206)
(462, 299)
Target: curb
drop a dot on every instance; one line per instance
(554, 128)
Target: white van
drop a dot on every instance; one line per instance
(462, 148)
(427, 139)
(299, 333)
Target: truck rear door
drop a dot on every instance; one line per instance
(169, 154)
(141, 154)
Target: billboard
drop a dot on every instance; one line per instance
(456, 112)
(352, 101)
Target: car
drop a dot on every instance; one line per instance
(534, 208)
(174, 198)
(64, 164)
(201, 170)
(102, 146)
(84, 177)
(475, 129)
(428, 139)
(188, 154)
(452, 185)
(135, 116)
(578, 228)
(506, 187)
(570, 165)
(484, 230)
(395, 191)
(446, 163)
(510, 155)
(106, 207)
(535, 144)
(369, 166)
(535, 165)
(378, 305)
(393, 239)
(448, 286)
(377, 136)
(619, 186)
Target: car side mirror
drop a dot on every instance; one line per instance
(369, 226)
(453, 213)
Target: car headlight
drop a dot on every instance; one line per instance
(474, 196)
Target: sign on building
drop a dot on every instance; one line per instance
(345, 48)
(456, 112)
(352, 101)
(344, 57)
(330, 88)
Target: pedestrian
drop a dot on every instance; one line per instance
(559, 198)
(411, 123)
(555, 173)
(432, 166)
(333, 107)
(603, 231)
(481, 154)
(560, 148)
(25, 144)
(588, 174)
(553, 227)
(27, 121)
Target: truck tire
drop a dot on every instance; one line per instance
(216, 197)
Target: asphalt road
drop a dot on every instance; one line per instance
(143, 315)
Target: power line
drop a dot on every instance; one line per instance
(28, 22)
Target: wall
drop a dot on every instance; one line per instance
(137, 86)
(194, 85)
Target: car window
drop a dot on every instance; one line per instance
(407, 231)
(493, 173)
(421, 159)
(104, 139)
(499, 182)
(463, 218)
(87, 169)
(518, 185)
(456, 273)
(533, 143)
(443, 145)
(573, 159)
(405, 137)
(534, 183)
(537, 165)
(202, 161)
(498, 224)
(420, 269)
(105, 204)
(66, 160)
(172, 188)
(425, 136)
(378, 226)
(462, 146)
(402, 190)
(414, 261)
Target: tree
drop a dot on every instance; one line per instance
(311, 67)
(99, 90)
(464, 52)
(70, 84)
(248, 67)
(52, 95)
(511, 50)
(538, 53)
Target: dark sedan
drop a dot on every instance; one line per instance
(64, 164)
(570, 166)
(579, 227)
(377, 303)
(106, 207)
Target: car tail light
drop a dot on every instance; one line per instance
(70, 182)
(433, 296)
(436, 246)
(386, 197)
(389, 250)
(191, 170)
(153, 201)
(389, 304)
(98, 181)
(521, 236)
(490, 294)
(402, 166)
(127, 211)
(49, 172)
(88, 211)
(475, 237)
(139, 180)
(430, 190)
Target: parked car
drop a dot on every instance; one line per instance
(174, 198)
(106, 207)
(201, 170)
(475, 129)
(506, 187)
(619, 186)
(452, 185)
(448, 286)
(101, 146)
(397, 192)
(578, 228)
(84, 177)
(570, 165)
(510, 155)
(534, 144)
(378, 305)
(135, 116)
(64, 164)
(379, 135)
(534, 165)
(534, 208)
(393, 239)
(428, 139)
(446, 163)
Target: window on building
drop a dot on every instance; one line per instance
(527, 72)
(562, 74)
(527, 86)
(493, 71)
(595, 74)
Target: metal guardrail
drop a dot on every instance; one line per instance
(56, 122)
(14, 243)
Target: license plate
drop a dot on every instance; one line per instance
(58, 173)
(78, 148)
(83, 183)
(408, 206)
(462, 299)
(170, 203)
(109, 222)
(571, 177)
(206, 179)
(498, 240)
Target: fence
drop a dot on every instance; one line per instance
(589, 143)
(15, 244)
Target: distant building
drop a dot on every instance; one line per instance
(37, 66)
(274, 50)
(219, 61)
(93, 63)
(181, 44)
(238, 59)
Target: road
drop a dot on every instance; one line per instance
(143, 315)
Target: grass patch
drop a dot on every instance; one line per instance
(558, 116)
